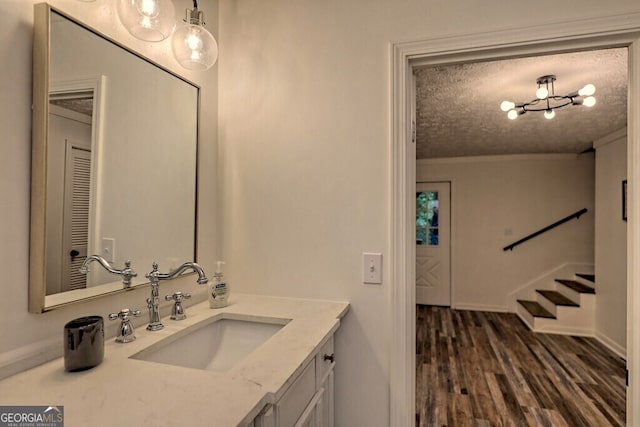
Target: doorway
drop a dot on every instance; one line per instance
(74, 134)
(69, 168)
(589, 34)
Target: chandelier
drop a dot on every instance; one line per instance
(547, 100)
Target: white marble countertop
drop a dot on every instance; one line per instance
(124, 391)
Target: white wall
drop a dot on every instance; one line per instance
(38, 336)
(305, 150)
(496, 201)
(611, 241)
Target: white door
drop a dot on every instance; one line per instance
(433, 256)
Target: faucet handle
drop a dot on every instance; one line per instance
(125, 332)
(177, 296)
(154, 273)
(124, 314)
(127, 274)
(177, 312)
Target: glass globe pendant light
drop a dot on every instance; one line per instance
(193, 45)
(149, 20)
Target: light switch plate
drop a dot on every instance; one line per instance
(108, 249)
(372, 268)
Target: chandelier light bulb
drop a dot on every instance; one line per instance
(587, 90)
(512, 114)
(542, 93)
(549, 114)
(149, 20)
(589, 101)
(507, 105)
(148, 8)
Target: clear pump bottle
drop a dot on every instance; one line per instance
(218, 290)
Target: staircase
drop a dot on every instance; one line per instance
(567, 309)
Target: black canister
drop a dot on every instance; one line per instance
(83, 343)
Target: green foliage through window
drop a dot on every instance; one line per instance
(427, 218)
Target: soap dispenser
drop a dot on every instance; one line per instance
(219, 291)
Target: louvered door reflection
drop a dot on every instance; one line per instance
(76, 215)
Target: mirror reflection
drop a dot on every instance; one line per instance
(121, 151)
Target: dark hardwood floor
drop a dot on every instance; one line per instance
(488, 369)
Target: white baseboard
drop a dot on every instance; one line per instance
(565, 330)
(479, 307)
(524, 319)
(612, 345)
(604, 340)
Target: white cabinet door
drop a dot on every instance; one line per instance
(325, 406)
(319, 413)
(325, 363)
(266, 418)
(309, 400)
(312, 414)
(295, 401)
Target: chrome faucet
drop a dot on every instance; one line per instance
(127, 272)
(154, 277)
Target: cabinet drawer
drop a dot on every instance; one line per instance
(324, 360)
(295, 400)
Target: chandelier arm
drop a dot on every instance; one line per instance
(544, 108)
(525, 106)
(568, 100)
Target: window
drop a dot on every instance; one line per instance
(427, 218)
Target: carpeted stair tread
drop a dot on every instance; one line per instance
(589, 277)
(577, 286)
(536, 309)
(557, 298)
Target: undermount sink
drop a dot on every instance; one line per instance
(216, 344)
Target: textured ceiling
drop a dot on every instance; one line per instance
(79, 105)
(458, 106)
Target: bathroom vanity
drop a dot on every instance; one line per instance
(158, 379)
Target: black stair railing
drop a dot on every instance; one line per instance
(575, 215)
